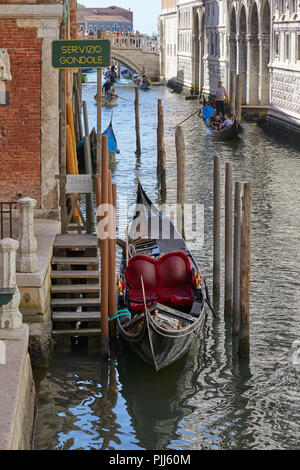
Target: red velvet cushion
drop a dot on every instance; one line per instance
(141, 265)
(166, 281)
(174, 269)
(175, 276)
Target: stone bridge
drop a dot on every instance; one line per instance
(135, 53)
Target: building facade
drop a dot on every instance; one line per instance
(111, 19)
(215, 39)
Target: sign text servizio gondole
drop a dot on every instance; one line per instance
(81, 53)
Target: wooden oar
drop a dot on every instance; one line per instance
(188, 117)
(125, 99)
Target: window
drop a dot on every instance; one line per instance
(298, 47)
(217, 44)
(287, 47)
(212, 46)
(81, 27)
(276, 45)
(292, 6)
(95, 29)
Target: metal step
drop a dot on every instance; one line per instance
(76, 316)
(59, 303)
(75, 274)
(70, 260)
(75, 288)
(80, 332)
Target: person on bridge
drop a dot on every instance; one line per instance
(220, 94)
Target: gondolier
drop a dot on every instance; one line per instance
(220, 94)
(107, 89)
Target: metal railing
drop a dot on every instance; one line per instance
(6, 222)
(128, 41)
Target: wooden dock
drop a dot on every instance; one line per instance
(75, 291)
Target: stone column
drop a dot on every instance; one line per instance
(263, 75)
(10, 316)
(243, 65)
(27, 261)
(252, 70)
(201, 61)
(238, 50)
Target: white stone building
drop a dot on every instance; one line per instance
(208, 40)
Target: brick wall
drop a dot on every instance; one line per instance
(20, 122)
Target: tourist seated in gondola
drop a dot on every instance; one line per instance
(227, 121)
(216, 122)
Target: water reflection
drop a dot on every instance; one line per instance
(209, 399)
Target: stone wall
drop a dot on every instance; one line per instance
(17, 392)
(20, 122)
(29, 125)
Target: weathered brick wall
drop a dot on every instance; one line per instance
(20, 122)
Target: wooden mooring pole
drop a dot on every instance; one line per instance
(99, 113)
(112, 256)
(237, 257)
(216, 229)
(62, 149)
(244, 347)
(161, 152)
(104, 249)
(228, 240)
(78, 112)
(137, 121)
(180, 155)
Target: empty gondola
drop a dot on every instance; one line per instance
(161, 293)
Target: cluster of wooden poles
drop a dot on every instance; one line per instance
(106, 198)
(237, 229)
(237, 252)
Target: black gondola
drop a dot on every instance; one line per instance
(226, 132)
(161, 288)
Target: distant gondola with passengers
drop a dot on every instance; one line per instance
(219, 126)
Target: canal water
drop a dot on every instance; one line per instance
(208, 399)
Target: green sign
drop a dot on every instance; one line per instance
(81, 54)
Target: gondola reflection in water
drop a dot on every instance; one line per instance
(161, 292)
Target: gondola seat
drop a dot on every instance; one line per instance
(145, 266)
(175, 277)
(167, 280)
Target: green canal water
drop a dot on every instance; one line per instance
(207, 400)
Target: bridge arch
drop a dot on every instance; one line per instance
(125, 61)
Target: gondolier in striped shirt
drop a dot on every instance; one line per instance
(220, 94)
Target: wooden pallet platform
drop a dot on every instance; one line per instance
(75, 289)
(77, 302)
(78, 332)
(76, 316)
(75, 274)
(75, 241)
(79, 260)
